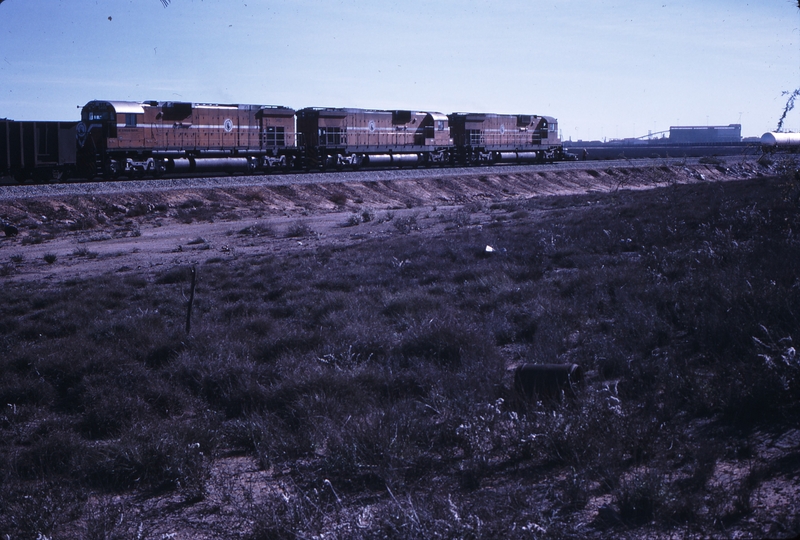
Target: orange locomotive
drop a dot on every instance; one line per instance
(356, 137)
(137, 138)
(124, 137)
(493, 138)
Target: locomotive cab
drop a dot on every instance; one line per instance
(437, 130)
(104, 125)
(100, 120)
(548, 130)
(116, 137)
(96, 118)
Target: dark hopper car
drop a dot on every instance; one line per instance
(39, 151)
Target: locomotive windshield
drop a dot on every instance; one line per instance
(97, 116)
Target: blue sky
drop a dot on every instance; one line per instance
(603, 68)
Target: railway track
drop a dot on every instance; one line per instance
(83, 187)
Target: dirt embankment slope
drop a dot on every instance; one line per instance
(335, 386)
(79, 232)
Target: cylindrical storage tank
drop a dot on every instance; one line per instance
(378, 159)
(780, 139)
(517, 156)
(221, 164)
(405, 158)
(179, 165)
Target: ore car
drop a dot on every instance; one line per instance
(41, 151)
(491, 138)
(356, 137)
(123, 137)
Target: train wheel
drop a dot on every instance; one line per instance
(111, 168)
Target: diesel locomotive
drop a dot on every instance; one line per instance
(153, 138)
(134, 138)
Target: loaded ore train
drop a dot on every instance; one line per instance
(152, 138)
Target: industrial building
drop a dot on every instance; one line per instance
(731, 133)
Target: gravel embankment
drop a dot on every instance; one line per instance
(122, 186)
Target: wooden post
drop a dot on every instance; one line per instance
(191, 301)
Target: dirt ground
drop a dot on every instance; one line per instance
(78, 235)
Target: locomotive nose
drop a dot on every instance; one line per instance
(81, 132)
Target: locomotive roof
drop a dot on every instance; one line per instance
(480, 117)
(343, 111)
(490, 115)
(137, 107)
(124, 107)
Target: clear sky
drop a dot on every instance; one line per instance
(615, 68)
